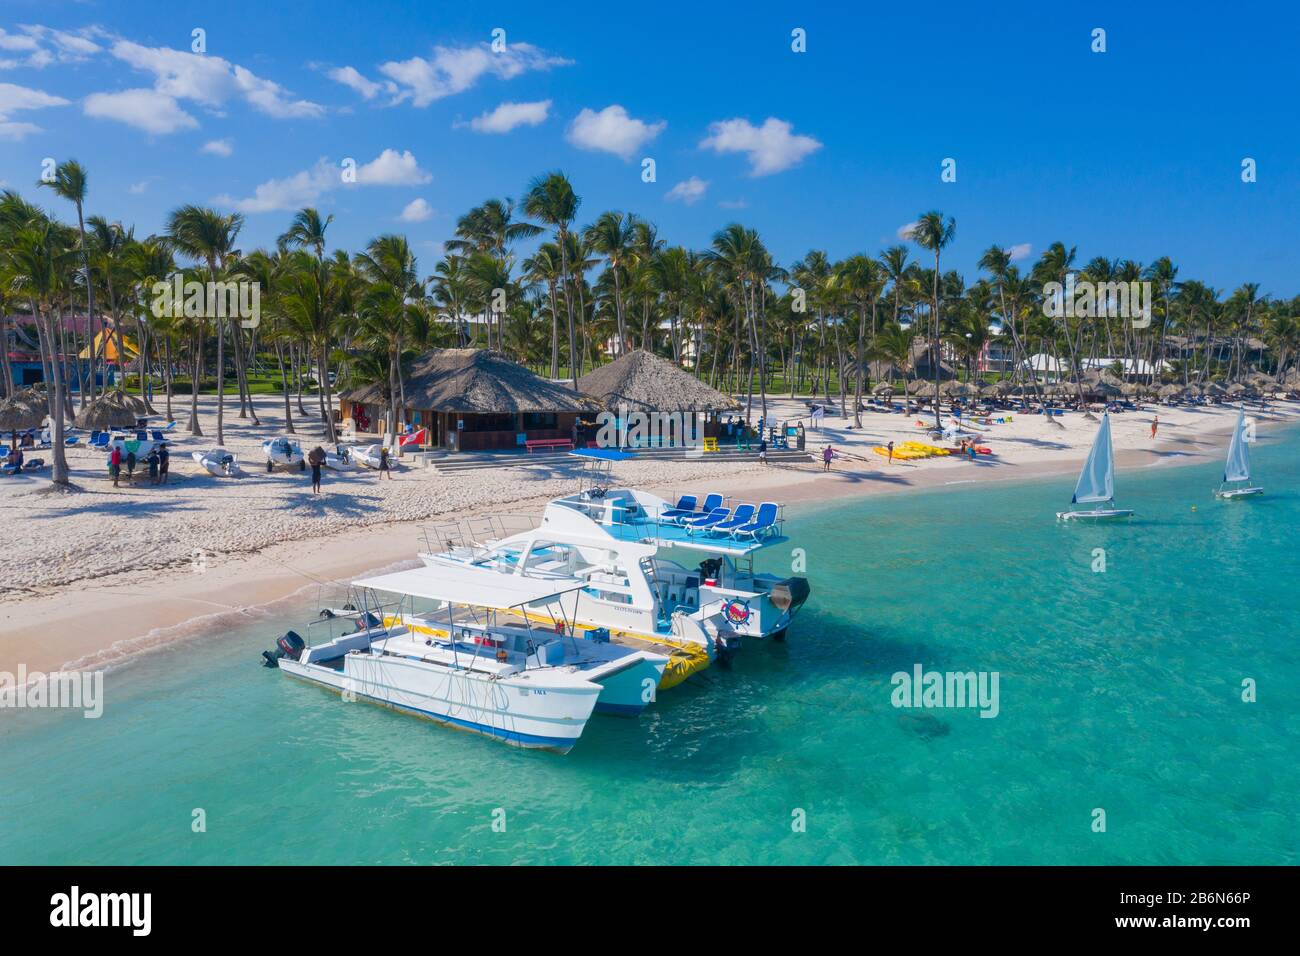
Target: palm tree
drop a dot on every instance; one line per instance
(208, 236)
(551, 199)
(935, 233)
(389, 265)
(545, 266)
(70, 183)
(307, 231)
(611, 236)
(36, 258)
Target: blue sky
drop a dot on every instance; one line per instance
(1134, 153)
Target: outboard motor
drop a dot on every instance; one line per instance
(788, 596)
(290, 645)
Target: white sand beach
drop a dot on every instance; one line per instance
(91, 577)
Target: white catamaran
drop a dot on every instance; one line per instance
(456, 662)
(1237, 467)
(1096, 483)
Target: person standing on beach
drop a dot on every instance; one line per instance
(827, 454)
(115, 464)
(164, 458)
(890, 446)
(384, 471)
(1155, 423)
(762, 450)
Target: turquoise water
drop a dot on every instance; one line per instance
(1118, 690)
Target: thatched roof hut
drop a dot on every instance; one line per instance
(475, 381)
(643, 382)
(473, 400)
(114, 410)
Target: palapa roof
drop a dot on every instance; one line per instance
(17, 415)
(114, 410)
(476, 382)
(644, 382)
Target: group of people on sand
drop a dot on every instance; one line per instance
(316, 459)
(158, 462)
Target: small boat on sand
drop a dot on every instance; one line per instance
(218, 462)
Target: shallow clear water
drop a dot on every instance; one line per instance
(1118, 690)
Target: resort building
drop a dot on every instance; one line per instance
(471, 400)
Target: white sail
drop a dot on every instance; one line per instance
(1097, 479)
(1237, 467)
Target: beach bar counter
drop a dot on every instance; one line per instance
(473, 400)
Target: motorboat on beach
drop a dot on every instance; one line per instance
(677, 577)
(368, 456)
(283, 452)
(463, 650)
(218, 462)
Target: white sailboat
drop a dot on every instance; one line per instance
(1096, 483)
(1237, 467)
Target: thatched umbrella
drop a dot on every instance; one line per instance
(17, 415)
(1237, 388)
(1169, 391)
(1215, 389)
(884, 388)
(1004, 386)
(114, 410)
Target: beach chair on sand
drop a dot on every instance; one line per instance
(101, 440)
(702, 523)
(158, 435)
(763, 524)
(742, 516)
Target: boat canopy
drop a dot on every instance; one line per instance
(468, 586)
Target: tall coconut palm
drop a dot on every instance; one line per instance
(611, 236)
(935, 233)
(551, 200)
(36, 259)
(307, 231)
(389, 265)
(70, 182)
(208, 236)
(544, 266)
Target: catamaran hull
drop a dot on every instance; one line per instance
(537, 718)
(630, 689)
(1238, 493)
(1109, 514)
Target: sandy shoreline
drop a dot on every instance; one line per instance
(244, 545)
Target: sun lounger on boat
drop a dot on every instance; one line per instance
(684, 509)
(761, 525)
(711, 503)
(715, 516)
(742, 516)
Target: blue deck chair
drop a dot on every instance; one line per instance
(685, 508)
(169, 426)
(158, 435)
(712, 502)
(761, 525)
(742, 516)
(101, 441)
(706, 521)
(72, 440)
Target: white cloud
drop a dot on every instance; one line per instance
(453, 70)
(14, 98)
(689, 191)
(389, 168)
(507, 116)
(905, 231)
(136, 189)
(612, 130)
(211, 80)
(417, 210)
(1020, 251)
(217, 147)
(350, 77)
(149, 110)
(43, 46)
(770, 148)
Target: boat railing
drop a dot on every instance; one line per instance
(327, 628)
(472, 536)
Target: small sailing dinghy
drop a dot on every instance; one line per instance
(1097, 482)
(1237, 467)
